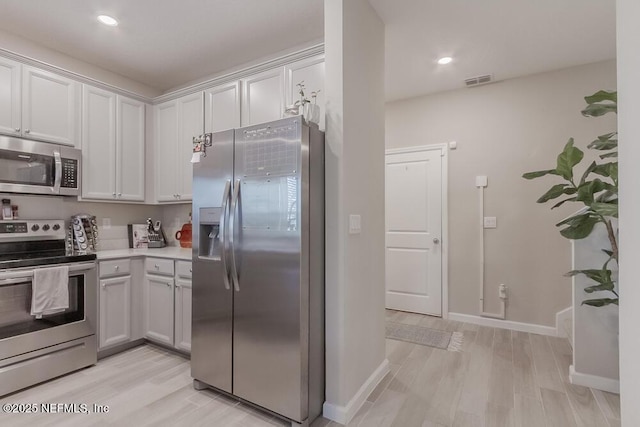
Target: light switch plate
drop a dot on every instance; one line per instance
(490, 222)
(354, 224)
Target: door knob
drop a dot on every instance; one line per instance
(436, 240)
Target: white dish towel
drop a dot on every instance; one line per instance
(50, 291)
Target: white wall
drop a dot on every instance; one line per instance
(628, 31)
(354, 85)
(503, 130)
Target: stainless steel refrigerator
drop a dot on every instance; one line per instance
(258, 267)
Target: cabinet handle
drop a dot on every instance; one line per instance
(117, 267)
(104, 285)
(114, 194)
(119, 194)
(177, 286)
(156, 266)
(178, 196)
(190, 270)
(169, 284)
(17, 129)
(27, 131)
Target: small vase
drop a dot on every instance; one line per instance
(313, 113)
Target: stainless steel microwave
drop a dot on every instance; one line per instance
(33, 167)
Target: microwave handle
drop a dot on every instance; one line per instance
(58, 172)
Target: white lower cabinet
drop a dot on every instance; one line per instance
(115, 296)
(168, 303)
(183, 314)
(159, 309)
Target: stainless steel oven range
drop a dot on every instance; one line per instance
(33, 349)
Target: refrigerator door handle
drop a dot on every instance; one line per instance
(232, 227)
(223, 229)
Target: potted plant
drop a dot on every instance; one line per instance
(596, 189)
(309, 110)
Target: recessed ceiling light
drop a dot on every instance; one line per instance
(445, 60)
(108, 20)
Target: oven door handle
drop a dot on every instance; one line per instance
(12, 281)
(19, 276)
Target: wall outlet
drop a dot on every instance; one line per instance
(482, 181)
(490, 222)
(106, 223)
(502, 291)
(354, 224)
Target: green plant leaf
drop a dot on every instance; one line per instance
(608, 286)
(569, 157)
(562, 202)
(609, 155)
(587, 171)
(597, 110)
(588, 190)
(600, 302)
(554, 192)
(605, 142)
(538, 174)
(605, 209)
(602, 95)
(610, 253)
(601, 276)
(580, 228)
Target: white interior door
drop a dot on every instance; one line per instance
(413, 197)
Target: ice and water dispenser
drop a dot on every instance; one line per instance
(210, 238)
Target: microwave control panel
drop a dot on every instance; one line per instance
(69, 173)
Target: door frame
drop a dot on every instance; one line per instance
(444, 154)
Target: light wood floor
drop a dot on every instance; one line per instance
(500, 378)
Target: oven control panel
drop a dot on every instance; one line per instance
(43, 228)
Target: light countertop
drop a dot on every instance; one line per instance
(173, 252)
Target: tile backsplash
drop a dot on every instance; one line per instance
(113, 236)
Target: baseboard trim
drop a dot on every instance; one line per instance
(593, 381)
(504, 324)
(561, 316)
(344, 414)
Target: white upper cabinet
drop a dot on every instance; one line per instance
(10, 113)
(99, 144)
(190, 124)
(113, 146)
(222, 107)
(311, 72)
(263, 97)
(130, 138)
(166, 118)
(50, 107)
(177, 122)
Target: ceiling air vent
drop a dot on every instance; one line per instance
(478, 80)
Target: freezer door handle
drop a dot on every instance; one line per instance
(224, 218)
(232, 227)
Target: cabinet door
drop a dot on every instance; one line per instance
(159, 309)
(10, 97)
(222, 107)
(191, 123)
(115, 309)
(98, 144)
(166, 118)
(311, 72)
(130, 149)
(50, 107)
(263, 97)
(183, 314)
